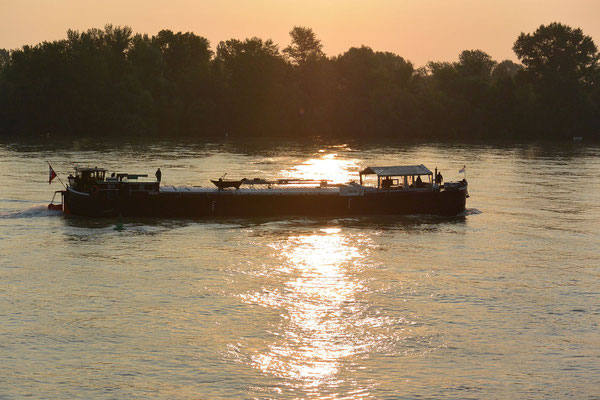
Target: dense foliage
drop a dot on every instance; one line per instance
(173, 84)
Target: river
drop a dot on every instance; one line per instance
(502, 302)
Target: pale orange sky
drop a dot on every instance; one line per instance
(419, 30)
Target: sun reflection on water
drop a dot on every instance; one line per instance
(314, 320)
(325, 325)
(327, 166)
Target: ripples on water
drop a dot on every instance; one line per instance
(501, 302)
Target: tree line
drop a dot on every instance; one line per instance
(113, 82)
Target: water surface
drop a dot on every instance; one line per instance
(502, 302)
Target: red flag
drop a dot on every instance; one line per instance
(51, 174)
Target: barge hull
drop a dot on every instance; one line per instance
(234, 204)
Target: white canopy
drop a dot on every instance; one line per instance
(399, 170)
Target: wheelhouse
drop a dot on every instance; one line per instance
(85, 178)
(94, 180)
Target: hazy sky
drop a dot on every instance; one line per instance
(419, 30)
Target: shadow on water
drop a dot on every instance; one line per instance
(379, 222)
(273, 224)
(150, 225)
(153, 225)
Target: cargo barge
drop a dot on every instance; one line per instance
(395, 190)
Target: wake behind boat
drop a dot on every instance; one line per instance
(410, 189)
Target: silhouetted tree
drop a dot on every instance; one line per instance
(506, 69)
(186, 99)
(370, 86)
(4, 58)
(4, 112)
(310, 83)
(254, 72)
(558, 52)
(304, 47)
(562, 64)
(475, 63)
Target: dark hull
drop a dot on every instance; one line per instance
(229, 203)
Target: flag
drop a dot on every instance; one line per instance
(51, 174)
(460, 171)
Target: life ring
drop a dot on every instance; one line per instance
(95, 189)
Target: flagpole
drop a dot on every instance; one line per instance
(57, 177)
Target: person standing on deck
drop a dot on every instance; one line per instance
(158, 175)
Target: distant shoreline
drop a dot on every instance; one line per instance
(262, 142)
(175, 86)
